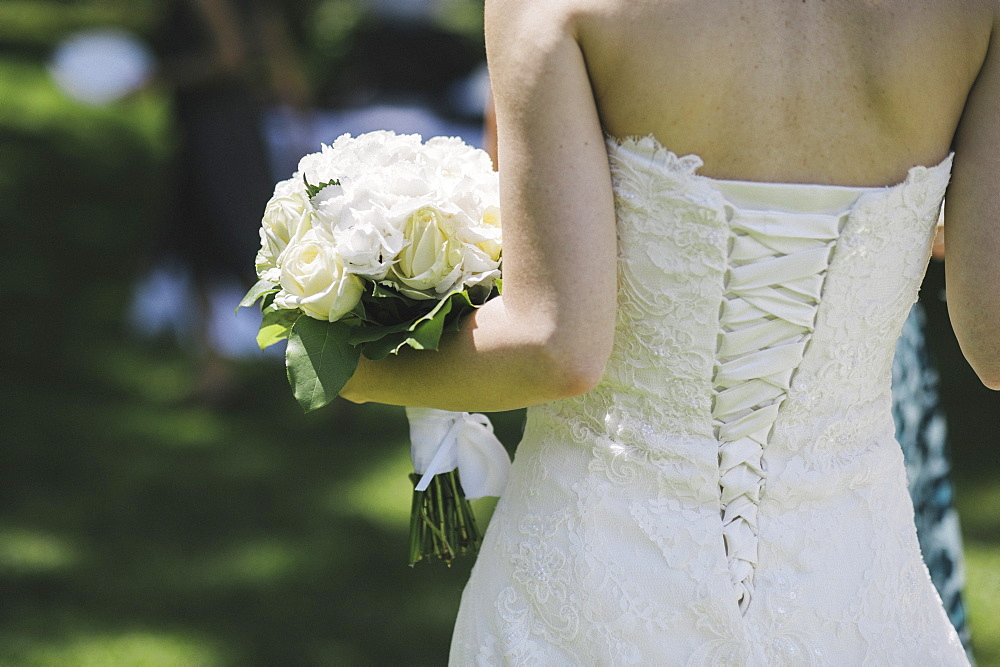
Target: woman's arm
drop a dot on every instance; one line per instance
(549, 335)
(972, 268)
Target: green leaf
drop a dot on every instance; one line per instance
(463, 304)
(383, 347)
(445, 317)
(463, 301)
(261, 288)
(427, 331)
(421, 332)
(372, 332)
(360, 312)
(313, 190)
(319, 361)
(438, 305)
(275, 325)
(383, 291)
(386, 307)
(388, 312)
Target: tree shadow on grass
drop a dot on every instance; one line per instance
(139, 526)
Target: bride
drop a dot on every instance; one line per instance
(716, 218)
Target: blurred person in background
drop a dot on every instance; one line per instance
(922, 431)
(400, 71)
(224, 61)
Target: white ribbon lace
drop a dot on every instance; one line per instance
(777, 262)
(441, 440)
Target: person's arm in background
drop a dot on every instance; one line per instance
(549, 335)
(229, 46)
(286, 74)
(972, 271)
(224, 55)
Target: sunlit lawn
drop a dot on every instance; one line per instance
(979, 505)
(143, 528)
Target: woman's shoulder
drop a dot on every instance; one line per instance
(858, 91)
(529, 17)
(523, 36)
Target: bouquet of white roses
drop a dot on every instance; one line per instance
(379, 242)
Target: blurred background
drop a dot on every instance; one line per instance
(163, 500)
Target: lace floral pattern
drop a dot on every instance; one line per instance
(609, 546)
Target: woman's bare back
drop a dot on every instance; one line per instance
(852, 92)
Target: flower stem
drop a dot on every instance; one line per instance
(442, 522)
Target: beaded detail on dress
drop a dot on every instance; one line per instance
(612, 546)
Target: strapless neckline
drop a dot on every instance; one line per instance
(690, 164)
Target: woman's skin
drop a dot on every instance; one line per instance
(847, 92)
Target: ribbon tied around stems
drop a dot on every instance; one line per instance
(442, 440)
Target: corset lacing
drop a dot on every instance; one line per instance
(777, 264)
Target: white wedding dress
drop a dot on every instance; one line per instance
(731, 492)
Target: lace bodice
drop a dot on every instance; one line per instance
(731, 492)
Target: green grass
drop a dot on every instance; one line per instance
(978, 503)
(145, 527)
(982, 564)
(141, 524)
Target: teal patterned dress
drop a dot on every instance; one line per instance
(922, 432)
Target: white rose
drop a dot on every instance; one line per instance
(481, 248)
(490, 234)
(286, 218)
(433, 258)
(313, 279)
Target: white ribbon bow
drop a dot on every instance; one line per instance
(441, 440)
